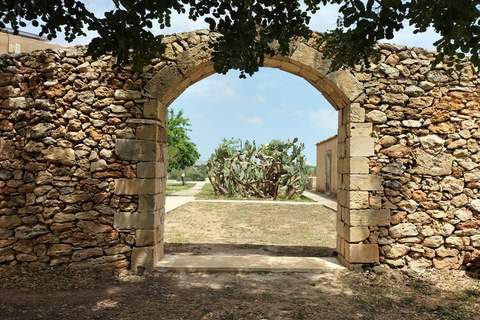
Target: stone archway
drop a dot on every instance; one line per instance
(341, 88)
(82, 149)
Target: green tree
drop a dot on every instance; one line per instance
(249, 27)
(182, 152)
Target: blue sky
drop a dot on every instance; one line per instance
(270, 105)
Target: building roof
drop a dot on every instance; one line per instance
(24, 34)
(326, 140)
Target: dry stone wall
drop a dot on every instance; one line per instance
(82, 155)
(426, 127)
(60, 117)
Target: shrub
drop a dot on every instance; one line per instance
(269, 171)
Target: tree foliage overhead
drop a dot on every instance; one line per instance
(182, 152)
(249, 26)
(268, 171)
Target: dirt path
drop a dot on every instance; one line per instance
(192, 192)
(183, 197)
(64, 294)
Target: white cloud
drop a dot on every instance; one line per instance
(213, 89)
(325, 19)
(254, 119)
(181, 23)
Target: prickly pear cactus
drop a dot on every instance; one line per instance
(268, 171)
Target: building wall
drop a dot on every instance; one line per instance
(324, 147)
(10, 43)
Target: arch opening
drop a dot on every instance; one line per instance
(194, 228)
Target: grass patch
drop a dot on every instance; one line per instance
(451, 312)
(176, 187)
(207, 193)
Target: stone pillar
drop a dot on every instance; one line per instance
(356, 213)
(147, 150)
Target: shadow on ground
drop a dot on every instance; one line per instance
(242, 249)
(66, 294)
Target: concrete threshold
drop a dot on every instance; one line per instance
(260, 202)
(321, 199)
(247, 263)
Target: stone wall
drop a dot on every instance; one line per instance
(425, 124)
(82, 155)
(60, 117)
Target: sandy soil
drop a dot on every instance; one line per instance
(247, 228)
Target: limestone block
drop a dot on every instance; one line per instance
(356, 234)
(354, 165)
(365, 182)
(353, 113)
(359, 129)
(138, 186)
(347, 83)
(147, 258)
(341, 227)
(353, 199)
(342, 197)
(151, 202)
(164, 81)
(367, 217)
(360, 146)
(341, 133)
(358, 165)
(154, 110)
(143, 257)
(188, 60)
(147, 237)
(308, 56)
(341, 243)
(138, 150)
(341, 149)
(358, 200)
(151, 133)
(142, 220)
(361, 253)
(150, 170)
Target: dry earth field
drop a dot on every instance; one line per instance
(251, 228)
(66, 294)
(60, 293)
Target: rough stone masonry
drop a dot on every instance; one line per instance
(82, 150)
